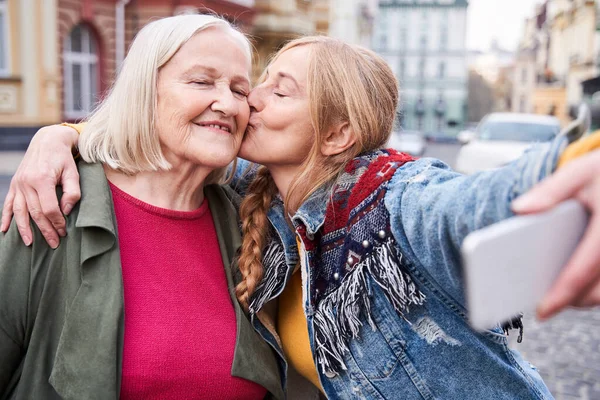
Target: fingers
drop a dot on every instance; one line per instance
(40, 219)
(70, 185)
(582, 272)
(558, 187)
(591, 298)
(7, 209)
(22, 218)
(49, 207)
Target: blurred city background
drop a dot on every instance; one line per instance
(480, 80)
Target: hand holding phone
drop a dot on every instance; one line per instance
(509, 266)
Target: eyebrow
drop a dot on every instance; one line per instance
(213, 71)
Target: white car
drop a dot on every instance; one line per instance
(503, 137)
(411, 142)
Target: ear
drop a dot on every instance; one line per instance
(338, 139)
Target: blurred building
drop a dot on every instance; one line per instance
(425, 44)
(492, 62)
(480, 99)
(278, 21)
(495, 66)
(58, 56)
(352, 20)
(524, 79)
(558, 51)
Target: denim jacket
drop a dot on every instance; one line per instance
(382, 282)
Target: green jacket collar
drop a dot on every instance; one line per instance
(88, 362)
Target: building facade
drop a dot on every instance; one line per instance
(559, 50)
(424, 41)
(57, 57)
(352, 20)
(278, 21)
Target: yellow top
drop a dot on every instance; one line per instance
(293, 330)
(580, 147)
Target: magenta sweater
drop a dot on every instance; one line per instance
(180, 326)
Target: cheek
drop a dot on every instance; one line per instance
(243, 115)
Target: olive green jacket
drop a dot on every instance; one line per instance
(61, 311)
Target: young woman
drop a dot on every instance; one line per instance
(376, 309)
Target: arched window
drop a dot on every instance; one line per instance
(4, 44)
(80, 57)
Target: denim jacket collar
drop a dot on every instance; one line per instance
(312, 212)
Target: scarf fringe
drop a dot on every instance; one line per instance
(273, 257)
(515, 323)
(337, 320)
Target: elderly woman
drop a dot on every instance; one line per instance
(137, 301)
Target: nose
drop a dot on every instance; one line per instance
(255, 99)
(225, 102)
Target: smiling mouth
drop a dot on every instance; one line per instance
(223, 128)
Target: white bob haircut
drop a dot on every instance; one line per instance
(120, 132)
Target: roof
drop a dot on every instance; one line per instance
(525, 118)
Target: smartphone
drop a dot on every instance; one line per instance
(510, 265)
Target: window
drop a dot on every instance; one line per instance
(4, 44)
(443, 38)
(423, 42)
(441, 70)
(524, 75)
(383, 42)
(402, 69)
(421, 68)
(403, 37)
(81, 74)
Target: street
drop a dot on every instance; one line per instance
(566, 350)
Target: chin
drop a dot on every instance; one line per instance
(247, 152)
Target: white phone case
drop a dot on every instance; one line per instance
(509, 266)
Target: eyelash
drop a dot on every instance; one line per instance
(239, 92)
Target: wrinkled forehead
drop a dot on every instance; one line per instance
(216, 49)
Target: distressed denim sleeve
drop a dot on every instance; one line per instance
(433, 208)
(243, 175)
(15, 267)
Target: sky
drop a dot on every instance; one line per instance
(500, 19)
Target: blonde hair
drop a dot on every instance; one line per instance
(345, 83)
(121, 130)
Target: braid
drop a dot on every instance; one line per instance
(255, 225)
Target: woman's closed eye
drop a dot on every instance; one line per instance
(240, 93)
(201, 83)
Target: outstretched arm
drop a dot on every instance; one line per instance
(434, 208)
